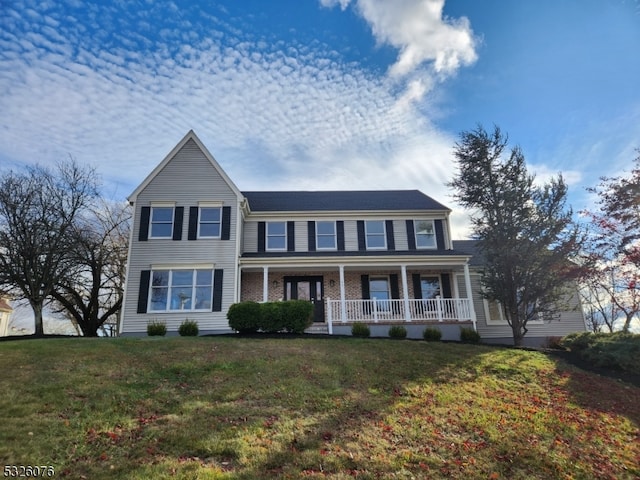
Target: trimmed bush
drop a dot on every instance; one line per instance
(611, 350)
(554, 343)
(272, 317)
(188, 328)
(297, 315)
(244, 317)
(360, 330)
(397, 331)
(432, 334)
(156, 329)
(469, 335)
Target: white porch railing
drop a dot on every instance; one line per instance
(398, 310)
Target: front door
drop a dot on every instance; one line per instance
(307, 288)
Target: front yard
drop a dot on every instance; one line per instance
(231, 407)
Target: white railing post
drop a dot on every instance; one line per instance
(375, 310)
(329, 316)
(439, 307)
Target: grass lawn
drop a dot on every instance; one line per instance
(225, 407)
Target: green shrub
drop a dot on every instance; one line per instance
(360, 330)
(272, 317)
(188, 328)
(244, 317)
(297, 315)
(397, 331)
(432, 334)
(469, 335)
(156, 329)
(611, 350)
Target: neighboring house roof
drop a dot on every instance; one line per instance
(305, 201)
(470, 247)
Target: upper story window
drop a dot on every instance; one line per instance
(209, 222)
(161, 222)
(425, 234)
(326, 235)
(276, 235)
(175, 290)
(375, 234)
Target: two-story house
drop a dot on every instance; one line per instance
(199, 244)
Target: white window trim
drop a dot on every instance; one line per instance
(170, 285)
(172, 206)
(335, 236)
(200, 207)
(415, 234)
(502, 320)
(266, 239)
(384, 235)
(386, 278)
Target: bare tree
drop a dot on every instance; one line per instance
(91, 295)
(38, 209)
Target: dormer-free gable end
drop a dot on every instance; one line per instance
(191, 135)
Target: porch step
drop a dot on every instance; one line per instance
(318, 328)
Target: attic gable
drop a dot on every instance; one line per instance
(190, 136)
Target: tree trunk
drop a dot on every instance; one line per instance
(39, 323)
(627, 322)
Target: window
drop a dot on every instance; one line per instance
(326, 235)
(276, 235)
(494, 313)
(430, 287)
(161, 222)
(379, 288)
(425, 234)
(176, 290)
(209, 222)
(375, 235)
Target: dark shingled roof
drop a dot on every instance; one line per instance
(304, 201)
(469, 247)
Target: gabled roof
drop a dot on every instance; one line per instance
(373, 200)
(189, 136)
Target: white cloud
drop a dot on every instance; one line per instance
(419, 31)
(275, 115)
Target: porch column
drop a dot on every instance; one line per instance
(405, 293)
(467, 286)
(265, 284)
(343, 305)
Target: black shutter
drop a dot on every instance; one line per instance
(291, 236)
(417, 286)
(177, 223)
(365, 287)
(362, 242)
(411, 235)
(225, 233)
(311, 232)
(395, 288)
(193, 223)
(366, 294)
(143, 292)
(340, 234)
(446, 285)
(261, 236)
(439, 234)
(217, 290)
(145, 214)
(391, 243)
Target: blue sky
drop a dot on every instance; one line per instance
(321, 94)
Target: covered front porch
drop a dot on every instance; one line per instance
(408, 290)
